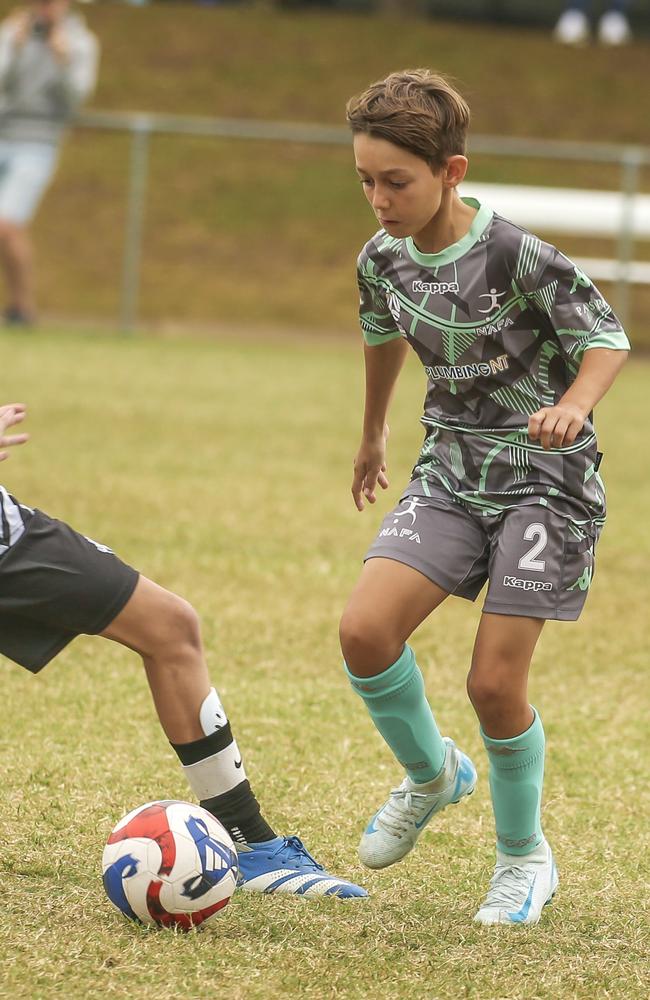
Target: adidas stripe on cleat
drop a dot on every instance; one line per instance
(285, 865)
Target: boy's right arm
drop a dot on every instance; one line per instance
(383, 364)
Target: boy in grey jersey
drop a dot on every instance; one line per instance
(518, 347)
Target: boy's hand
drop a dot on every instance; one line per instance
(370, 469)
(10, 415)
(556, 426)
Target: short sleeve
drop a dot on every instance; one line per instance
(579, 314)
(378, 323)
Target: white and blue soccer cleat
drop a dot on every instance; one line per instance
(394, 829)
(520, 888)
(285, 865)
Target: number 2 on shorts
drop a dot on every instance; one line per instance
(529, 560)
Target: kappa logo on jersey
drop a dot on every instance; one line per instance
(436, 287)
(579, 278)
(494, 297)
(410, 507)
(534, 585)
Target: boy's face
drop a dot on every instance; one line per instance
(403, 191)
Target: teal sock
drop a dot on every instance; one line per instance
(400, 711)
(516, 777)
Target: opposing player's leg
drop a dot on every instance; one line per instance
(395, 593)
(164, 629)
(525, 877)
(56, 584)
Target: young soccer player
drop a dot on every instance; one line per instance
(56, 584)
(518, 346)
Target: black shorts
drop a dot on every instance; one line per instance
(56, 584)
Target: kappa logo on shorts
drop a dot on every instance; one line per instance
(584, 580)
(534, 585)
(410, 506)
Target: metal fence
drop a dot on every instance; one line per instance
(629, 159)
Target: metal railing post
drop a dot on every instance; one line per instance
(630, 165)
(138, 165)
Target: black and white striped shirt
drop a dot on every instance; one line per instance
(13, 517)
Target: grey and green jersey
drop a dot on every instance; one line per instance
(500, 321)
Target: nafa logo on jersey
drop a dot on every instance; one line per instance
(494, 297)
(410, 505)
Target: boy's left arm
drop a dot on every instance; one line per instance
(558, 426)
(10, 415)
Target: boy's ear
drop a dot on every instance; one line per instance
(455, 170)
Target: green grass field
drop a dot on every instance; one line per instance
(222, 470)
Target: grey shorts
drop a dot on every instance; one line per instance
(535, 562)
(54, 585)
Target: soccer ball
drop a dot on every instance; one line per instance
(170, 863)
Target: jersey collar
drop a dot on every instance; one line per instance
(456, 250)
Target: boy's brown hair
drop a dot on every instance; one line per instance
(415, 109)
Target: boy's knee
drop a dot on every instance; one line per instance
(179, 623)
(368, 646)
(488, 690)
(187, 622)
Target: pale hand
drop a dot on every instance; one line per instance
(10, 415)
(370, 469)
(556, 426)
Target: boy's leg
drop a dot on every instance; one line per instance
(164, 630)
(541, 567)
(525, 877)
(389, 602)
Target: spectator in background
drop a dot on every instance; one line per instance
(574, 27)
(48, 66)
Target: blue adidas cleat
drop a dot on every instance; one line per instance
(285, 865)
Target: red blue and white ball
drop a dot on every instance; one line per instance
(170, 863)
